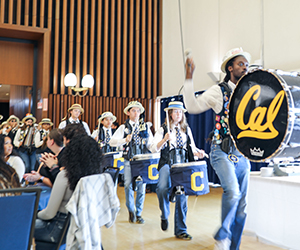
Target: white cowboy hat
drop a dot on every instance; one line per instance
(46, 120)
(134, 104)
(107, 114)
(2, 124)
(76, 106)
(13, 117)
(233, 53)
(28, 117)
(175, 105)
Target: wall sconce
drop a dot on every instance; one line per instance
(87, 82)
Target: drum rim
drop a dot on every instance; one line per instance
(192, 163)
(280, 148)
(144, 156)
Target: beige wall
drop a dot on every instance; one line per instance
(267, 29)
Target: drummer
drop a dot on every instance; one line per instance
(174, 140)
(73, 117)
(135, 136)
(105, 131)
(231, 167)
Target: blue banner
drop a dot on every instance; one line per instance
(193, 178)
(147, 169)
(109, 161)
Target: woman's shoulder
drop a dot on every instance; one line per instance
(14, 159)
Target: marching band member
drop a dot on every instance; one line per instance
(105, 131)
(24, 141)
(136, 138)
(14, 125)
(174, 140)
(41, 137)
(4, 127)
(231, 166)
(74, 111)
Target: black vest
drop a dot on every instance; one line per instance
(105, 148)
(221, 129)
(68, 122)
(43, 148)
(165, 155)
(130, 149)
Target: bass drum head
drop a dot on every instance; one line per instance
(258, 115)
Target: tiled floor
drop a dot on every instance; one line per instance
(202, 221)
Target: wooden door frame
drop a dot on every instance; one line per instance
(42, 84)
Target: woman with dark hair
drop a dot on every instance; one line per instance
(8, 176)
(78, 163)
(7, 154)
(71, 130)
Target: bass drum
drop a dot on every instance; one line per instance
(264, 115)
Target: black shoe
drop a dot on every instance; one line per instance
(132, 218)
(184, 236)
(164, 224)
(140, 220)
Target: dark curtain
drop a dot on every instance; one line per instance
(201, 125)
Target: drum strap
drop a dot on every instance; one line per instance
(226, 87)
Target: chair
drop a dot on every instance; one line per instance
(114, 172)
(96, 199)
(18, 214)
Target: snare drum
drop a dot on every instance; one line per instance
(264, 115)
(112, 159)
(145, 165)
(192, 176)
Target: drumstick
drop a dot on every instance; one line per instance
(168, 123)
(131, 134)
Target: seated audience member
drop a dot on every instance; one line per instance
(8, 176)
(10, 156)
(49, 168)
(81, 158)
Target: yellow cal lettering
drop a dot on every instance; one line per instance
(193, 181)
(254, 128)
(152, 176)
(119, 162)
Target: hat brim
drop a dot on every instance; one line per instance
(41, 123)
(11, 118)
(168, 108)
(244, 54)
(112, 116)
(29, 118)
(81, 109)
(133, 106)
